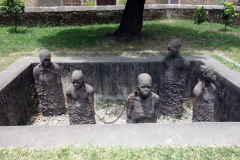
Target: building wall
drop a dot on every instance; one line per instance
(200, 2)
(156, 2)
(48, 3)
(78, 16)
(43, 3)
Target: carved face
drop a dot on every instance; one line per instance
(172, 51)
(77, 83)
(145, 89)
(46, 61)
(210, 76)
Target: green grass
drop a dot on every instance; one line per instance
(122, 152)
(207, 38)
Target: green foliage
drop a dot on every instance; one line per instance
(159, 115)
(89, 3)
(123, 2)
(228, 13)
(13, 7)
(200, 15)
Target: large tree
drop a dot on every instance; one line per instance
(132, 19)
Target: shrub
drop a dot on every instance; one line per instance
(89, 3)
(200, 15)
(228, 13)
(13, 7)
(122, 2)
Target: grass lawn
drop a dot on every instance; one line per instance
(207, 38)
(121, 152)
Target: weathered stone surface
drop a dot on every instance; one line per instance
(48, 83)
(226, 106)
(80, 99)
(142, 105)
(173, 81)
(204, 91)
(15, 108)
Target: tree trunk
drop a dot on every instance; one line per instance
(132, 19)
(15, 19)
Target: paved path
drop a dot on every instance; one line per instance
(210, 134)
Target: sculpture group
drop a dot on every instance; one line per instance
(143, 106)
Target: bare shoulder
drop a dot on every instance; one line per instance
(69, 90)
(56, 66)
(214, 87)
(197, 89)
(155, 96)
(89, 88)
(130, 96)
(36, 70)
(185, 62)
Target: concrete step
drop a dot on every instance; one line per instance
(208, 134)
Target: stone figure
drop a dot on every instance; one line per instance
(173, 81)
(203, 107)
(142, 106)
(49, 86)
(80, 100)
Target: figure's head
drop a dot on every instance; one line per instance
(77, 78)
(174, 47)
(45, 58)
(144, 84)
(208, 73)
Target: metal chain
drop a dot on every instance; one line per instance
(92, 107)
(194, 100)
(44, 68)
(101, 119)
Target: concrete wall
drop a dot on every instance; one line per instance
(15, 108)
(48, 3)
(83, 15)
(113, 78)
(199, 2)
(192, 2)
(156, 2)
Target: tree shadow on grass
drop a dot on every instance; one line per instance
(75, 38)
(193, 38)
(20, 30)
(86, 38)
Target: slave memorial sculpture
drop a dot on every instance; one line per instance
(173, 81)
(142, 105)
(49, 86)
(203, 108)
(80, 100)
